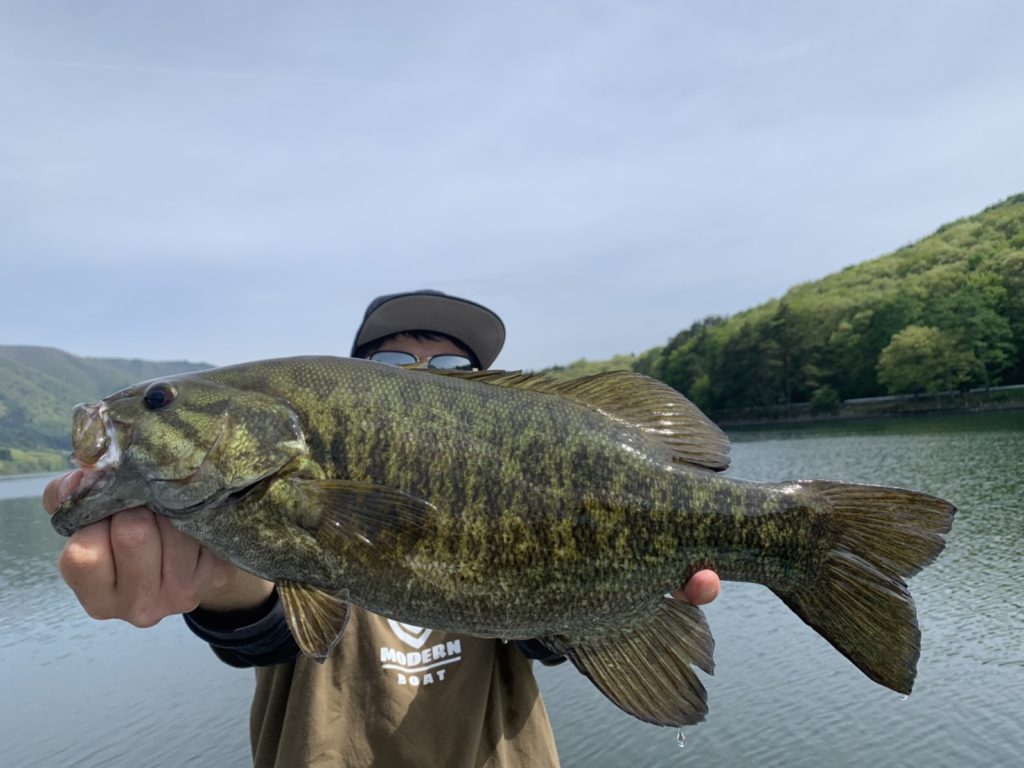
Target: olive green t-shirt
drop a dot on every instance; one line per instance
(393, 695)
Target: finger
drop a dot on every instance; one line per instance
(180, 551)
(180, 574)
(136, 546)
(59, 489)
(87, 566)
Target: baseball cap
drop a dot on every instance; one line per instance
(479, 329)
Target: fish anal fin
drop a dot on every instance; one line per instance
(638, 400)
(316, 618)
(647, 668)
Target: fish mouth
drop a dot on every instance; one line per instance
(94, 437)
(96, 450)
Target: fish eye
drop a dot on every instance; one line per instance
(158, 395)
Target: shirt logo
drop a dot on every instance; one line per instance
(425, 665)
(409, 634)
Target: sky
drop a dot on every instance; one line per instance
(229, 181)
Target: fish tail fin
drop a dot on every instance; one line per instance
(860, 602)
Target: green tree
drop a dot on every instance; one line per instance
(650, 363)
(825, 400)
(1010, 268)
(750, 370)
(689, 357)
(922, 358)
(965, 303)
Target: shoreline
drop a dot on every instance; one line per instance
(22, 475)
(30, 475)
(995, 399)
(859, 416)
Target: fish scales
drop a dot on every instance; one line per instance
(494, 522)
(505, 505)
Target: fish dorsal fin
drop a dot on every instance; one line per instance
(316, 618)
(657, 409)
(638, 400)
(646, 668)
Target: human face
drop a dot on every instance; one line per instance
(421, 349)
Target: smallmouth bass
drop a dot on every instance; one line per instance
(505, 505)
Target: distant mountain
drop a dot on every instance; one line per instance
(40, 385)
(944, 313)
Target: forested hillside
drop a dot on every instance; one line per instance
(942, 314)
(38, 388)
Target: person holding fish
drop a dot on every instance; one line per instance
(388, 693)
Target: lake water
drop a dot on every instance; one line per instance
(81, 693)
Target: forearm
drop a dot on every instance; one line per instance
(536, 650)
(256, 636)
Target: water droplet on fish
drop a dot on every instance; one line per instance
(680, 738)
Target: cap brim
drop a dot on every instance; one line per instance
(477, 327)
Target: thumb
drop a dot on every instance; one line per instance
(59, 489)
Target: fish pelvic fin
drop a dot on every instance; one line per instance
(316, 618)
(645, 403)
(860, 602)
(647, 668)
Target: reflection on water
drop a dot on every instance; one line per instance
(85, 693)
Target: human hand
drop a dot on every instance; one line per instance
(137, 567)
(700, 589)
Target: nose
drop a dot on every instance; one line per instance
(89, 437)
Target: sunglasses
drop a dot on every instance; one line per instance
(442, 362)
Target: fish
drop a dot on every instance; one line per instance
(505, 505)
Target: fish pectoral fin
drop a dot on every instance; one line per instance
(316, 618)
(366, 514)
(647, 668)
